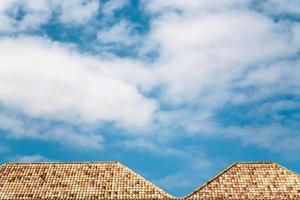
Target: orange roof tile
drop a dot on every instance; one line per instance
(62, 181)
(255, 180)
(112, 180)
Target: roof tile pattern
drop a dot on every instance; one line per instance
(62, 181)
(250, 181)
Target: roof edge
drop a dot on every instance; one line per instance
(257, 162)
(293, 172)
(210, 180)
(224, 171)
(3, 165)
(156, 187)
(93, 162)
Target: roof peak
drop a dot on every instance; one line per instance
(234, 164)
(268, 180)
(255, 162)
(113, 177)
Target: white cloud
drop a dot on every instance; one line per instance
(276, 7)
(38, 12)
(273, 79)
(194, 164)
(30, 158)
(75, 140)
(121, 33)
(16, 127)
(272, 125)
(175, 181)
(191, 120)
(150, 145)
(208, 52)
(49, 80)
(113, 5)
(193, 5)
(195, 167)
(274, 136)
(211, 53)
(11, 123)
(77, 11)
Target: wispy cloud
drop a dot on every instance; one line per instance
(167, 6)
(112, 6)
(29, 158)
(16, 126)
(25, 15)
(195, 168)
(4, 149)
(224, 57)
(120, 34)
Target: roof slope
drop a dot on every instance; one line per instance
(89, 181)
(258, 180)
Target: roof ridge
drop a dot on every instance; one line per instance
(293, 172)
(113, 173)
(256, 162)
(2, 165)
(224, 171)
(236, 165)
(210, 180)
(149, 182)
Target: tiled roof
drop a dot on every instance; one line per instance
(66, 181)
(112, 180)
(261, 180)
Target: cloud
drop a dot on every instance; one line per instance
(30, 158)
(211, 56)
(271, 125)
(75, 139)
(215, 57)
(195, 167)
(15, 126)
(4, 149)
(27, 15)
(175, 181)
(152, 146)
(23, 15)
(50, 80)
(274, 137)
(193, 6)
(277, 7)
(111, 6)
(208, 52)
(77, 11)
(193, 164)
(120, 34)
(273, 79)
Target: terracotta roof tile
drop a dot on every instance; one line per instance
(62, 181)
(260, 180)
(111, 180)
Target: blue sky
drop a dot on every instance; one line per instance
(176, 90)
